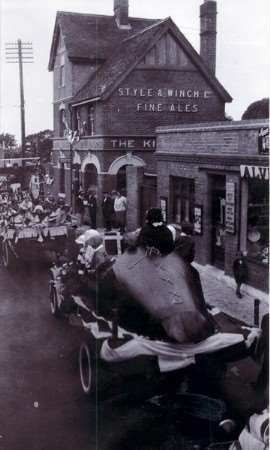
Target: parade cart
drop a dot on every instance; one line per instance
(35, 243)
(127, 336)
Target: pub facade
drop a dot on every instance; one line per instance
(116, 79)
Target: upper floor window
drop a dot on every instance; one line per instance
(62, 71)
(91, 120)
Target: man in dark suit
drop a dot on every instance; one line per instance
(107, 210)
(93, 209)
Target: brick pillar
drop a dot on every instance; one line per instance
(100, 189)
(56, 183)
(203, 196)
(134, 181)
(244, 215)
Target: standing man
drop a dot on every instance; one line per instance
(240, 271)
(120, 209)
(79, 204)
(107, 210)
(92, 201)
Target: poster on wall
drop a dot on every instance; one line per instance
(198, 219)
(164, 207)
(230, 208)
(263, 141)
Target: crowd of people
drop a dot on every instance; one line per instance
(113, 209)
(18, 210)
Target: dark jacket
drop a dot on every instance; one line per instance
(159, 237)
(107, 207)
(240, 270)
(185, 247)
(92, 203)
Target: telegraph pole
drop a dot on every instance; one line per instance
(20, 53)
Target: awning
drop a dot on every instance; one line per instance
(258, 172)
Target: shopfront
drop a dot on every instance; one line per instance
(216, 177)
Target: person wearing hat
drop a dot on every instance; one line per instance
(240, 272)
(92, 253)
(184, 244)
(120, 210)
(155, 233)
(107, 211)
(92, 204)
(38, 213)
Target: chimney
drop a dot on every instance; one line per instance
(208, 15)
(121, 14)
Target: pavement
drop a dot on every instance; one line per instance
(219, 291)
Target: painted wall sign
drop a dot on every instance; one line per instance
(129, 143)
(263, 141)
(230, 208)
(182, 98)
(259, 172)
(163, 92)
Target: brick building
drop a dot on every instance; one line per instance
(116, 79)
(215, 175)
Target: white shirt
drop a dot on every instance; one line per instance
(120, 203)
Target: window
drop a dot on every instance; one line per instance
(258, 220)
(183, 200)
(91, 120)
(62, 71)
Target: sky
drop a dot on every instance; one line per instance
(242, 50)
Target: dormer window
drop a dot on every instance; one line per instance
(62, 71)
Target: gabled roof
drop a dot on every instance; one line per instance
(129, 53)
(91, 36)
(123, 60)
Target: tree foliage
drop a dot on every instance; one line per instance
(7, 140)
(40, 144)
(257, 110)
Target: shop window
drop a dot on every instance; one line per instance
(183, 200)
(258, 221)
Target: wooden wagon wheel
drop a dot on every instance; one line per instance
(88, 369)
(55, 310)
(8, 257)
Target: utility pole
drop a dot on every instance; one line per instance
(20, 53)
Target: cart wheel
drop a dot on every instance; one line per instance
(53, 302)
(87, 365)
(7, 256)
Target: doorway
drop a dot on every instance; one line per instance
(121, 180)
(90, 178)
(218, 220)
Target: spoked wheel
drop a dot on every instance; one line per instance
(87, 365)
(7, 257)
(53, 302)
